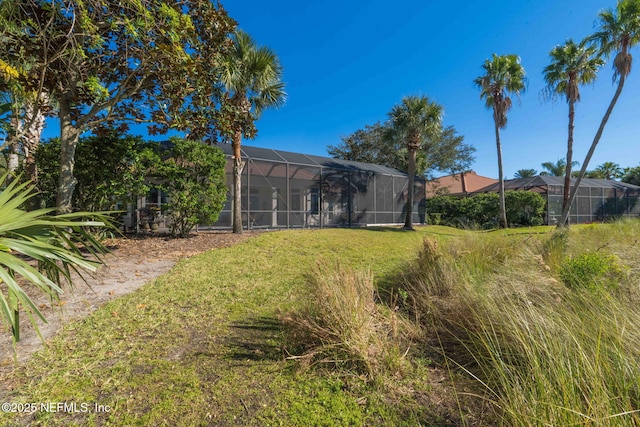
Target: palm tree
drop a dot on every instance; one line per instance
(610, 170)
(558, 168)
(414, 120)
(54, 244)
(525, 173)
(251, 76)
(619, 32)
(503, 75)
(571, 65)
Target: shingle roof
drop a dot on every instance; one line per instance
(258, 153)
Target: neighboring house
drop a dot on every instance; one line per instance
(459, 184)
(597, 200)
(281, 189)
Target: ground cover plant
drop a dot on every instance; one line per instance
(360, 327)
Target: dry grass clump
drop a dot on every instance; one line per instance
(340, 323)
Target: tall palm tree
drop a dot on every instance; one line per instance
(414, 120)
(559, 168)
(503, 75)
(251, 76)
(525, 173)
(610, 170)
(571, 65)
(619, 32)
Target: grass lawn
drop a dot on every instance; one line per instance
(523, 325)
(202, 345)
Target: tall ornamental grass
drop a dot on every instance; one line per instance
(541, 351)
(339, 322)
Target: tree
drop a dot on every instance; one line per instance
(366, 145)
(108, 171)
(619, 31)
(251, 77)
(609, 170)
(571, 65)
(503, 75)
(442, 151)
(525, 173)
(558, 168)
(416, 121)
(99, 60)
(631, 175)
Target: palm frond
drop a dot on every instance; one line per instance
(41, 249)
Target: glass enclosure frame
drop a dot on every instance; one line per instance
(291, 190)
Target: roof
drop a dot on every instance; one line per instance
(459, 183)
(544, 181)
(267, 154)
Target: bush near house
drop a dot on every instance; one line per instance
(193, 177)
(524, 208)
(107, 169)
(113, 168)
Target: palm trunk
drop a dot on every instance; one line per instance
(567, 173)
(238, 165)
(69, 136)
(574, 190)
(408, 220)
(502, 214)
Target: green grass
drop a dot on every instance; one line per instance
(501, 340)
(202, 344)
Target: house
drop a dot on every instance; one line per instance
(282, 189)
(458, 184)
(597, 200)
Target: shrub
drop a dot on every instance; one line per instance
(107, 171)
(447, 207)
(481, 208)
(192, 175)
(593, 271)
(524, 208)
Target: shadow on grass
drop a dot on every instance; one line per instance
(256, 339)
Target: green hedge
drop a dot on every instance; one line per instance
(524, 208)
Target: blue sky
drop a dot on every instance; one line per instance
(347, 64)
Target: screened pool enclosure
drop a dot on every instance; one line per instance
(287, 190)
(597, 200)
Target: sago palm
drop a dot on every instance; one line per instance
(40, 249)
(503, 76)
(619, 31)
(571, 65)
(251, 76)
(414, 120)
